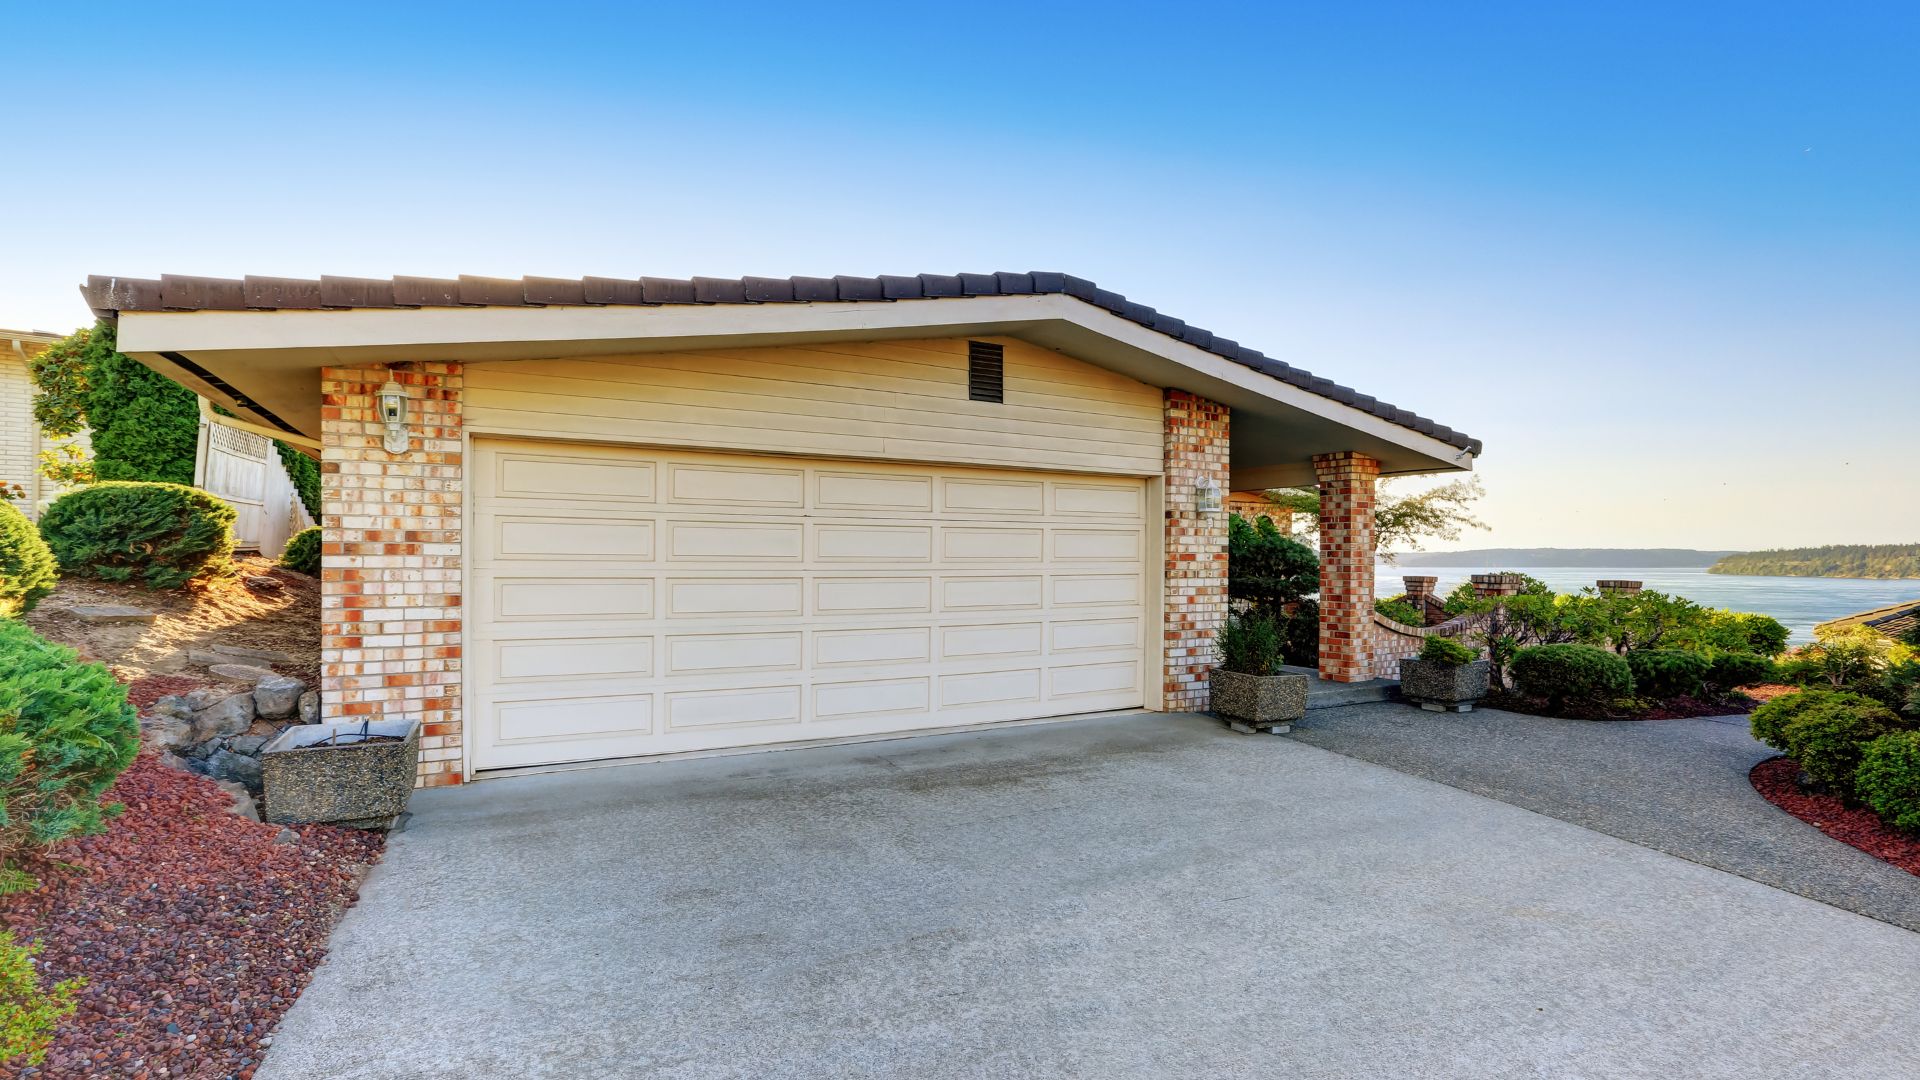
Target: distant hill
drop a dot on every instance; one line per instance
(1607, 558)
(1834, 560)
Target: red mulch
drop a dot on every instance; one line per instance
(1677, 708)
(194, 929)
(1778, 779)
(144, 691)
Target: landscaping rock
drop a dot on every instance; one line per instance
(278, 696)
(167, 730)
(263, 583)
(243, 803)
(246, 673)
(202, 698)
(229, 716)
(239, 768)
(257, 656)
(173, 705)
(112, 613)
(248, 745)
(310, 707)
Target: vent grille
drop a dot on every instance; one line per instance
(986, 371)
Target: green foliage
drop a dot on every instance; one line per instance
(27, 568)
(1400, 522)
(28, 1012)
(1827, 739)
(66, 730)
(302, 553)
(1668, 673)
(144, 425)
(1732, 670)
(1745, 631)
(305, 474)
(1441, 650)
(1579, 675)
(1769, 722)
(66, 464)
(1250, 642)
(1266, 567)
(163, 534)
(1833, 560)
(1400, 610)
(61, 380)
(1888, 779)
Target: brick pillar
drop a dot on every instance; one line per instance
(1496, 585)
(1419, 587)
(390, 559)
(1195, 589)
(1618, 587)
(1347, 482)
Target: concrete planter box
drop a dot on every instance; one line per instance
(1443, 687)
(1257, 702)
(309, 778)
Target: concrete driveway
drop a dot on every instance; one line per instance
(1139, 896)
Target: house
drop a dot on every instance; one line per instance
(578, 520)
(1897, 621)
(20, 440)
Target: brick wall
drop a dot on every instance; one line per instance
(1195, 599)
(1347, 487)
(390, 574)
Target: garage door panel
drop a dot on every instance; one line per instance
(633, 602)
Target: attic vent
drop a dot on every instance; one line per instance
(986, 371)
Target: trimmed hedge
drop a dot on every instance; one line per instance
(1769, 722)
(1572, 675)
(1888, 779)
(1828, 739)
(305, 474)
(163, 534)
(1442, 650)
(27, 567)
(302, 553)
(1668, 673)
(1733, 670)
(66, 731)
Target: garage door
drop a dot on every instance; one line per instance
(630, 602)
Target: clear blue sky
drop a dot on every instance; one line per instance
(1663, 258)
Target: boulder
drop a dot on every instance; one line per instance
(310, 707)
(228, 716)
(247, 745)
(246, 673)
(195, 700)
(277, 696)
(172, 705)
(243, 803)
(166, 730)
(239, 768)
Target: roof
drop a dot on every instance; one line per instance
(108, 296)
(1894, 620)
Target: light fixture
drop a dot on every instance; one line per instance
(1206, 496)
(393, 413)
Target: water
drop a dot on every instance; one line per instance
(1797, 602)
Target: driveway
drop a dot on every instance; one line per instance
(1137, 896)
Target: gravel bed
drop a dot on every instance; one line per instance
(1779, 781)
(195, 929)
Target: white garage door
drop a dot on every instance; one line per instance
(630, 602)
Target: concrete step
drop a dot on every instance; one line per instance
(1322, 694)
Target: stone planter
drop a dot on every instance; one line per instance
(1443, 687)
(344, 782)
(1258, 702)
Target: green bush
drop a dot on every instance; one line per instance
(302, 553)
(1277, 575)
(163, 534)
(1250, 642)
(1732, 670)
(1565, 675)
(1400, 610)
(1441, 650)
(27, 568)
(305, 474)
(1668, 673)
(66, 731)
(1828, 738)
(28, 1013)
(1888, 780)
(1769, 722)
(143, 425)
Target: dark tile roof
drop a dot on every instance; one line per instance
(110, 295)
(1894, 620)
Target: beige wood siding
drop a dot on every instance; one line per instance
(894, 400)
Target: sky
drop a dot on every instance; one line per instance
(1664, 259)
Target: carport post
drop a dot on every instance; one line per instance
(1347, 484)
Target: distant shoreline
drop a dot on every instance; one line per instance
(1599, 558)
(1865, 562)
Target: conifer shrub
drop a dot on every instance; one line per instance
(164, 535)
(27, 567)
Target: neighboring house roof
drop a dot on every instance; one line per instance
(109, 296)
(1894, 620)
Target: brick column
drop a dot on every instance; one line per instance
(390, 559)
(1347, 482)
(1195, 589)
(1495, 586)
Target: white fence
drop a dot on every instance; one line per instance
(245, 470)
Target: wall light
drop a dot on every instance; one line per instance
(1206, 497)
(393, 413)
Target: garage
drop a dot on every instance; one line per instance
(627, 601)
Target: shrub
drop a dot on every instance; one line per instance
(28, 1013)
(1400, 610)
(163, 534)
(1888, 779)
(302, 553)
(1572, 674)
(1250, 643)
(66, 731)
(27, 568)
(1769, 722)
(1266, 567)
(1732, 670)
(305, 474)
(1828, 738)
(1668, 673)
(1441, 650)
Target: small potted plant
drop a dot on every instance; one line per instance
(357, 772)
(1446, 677)
(1248, 687)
